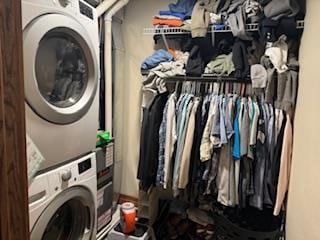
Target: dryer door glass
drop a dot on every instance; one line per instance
(61, 70)
(70, 221)
(70, 215)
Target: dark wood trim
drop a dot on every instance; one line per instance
(124, 198)
(14, 218)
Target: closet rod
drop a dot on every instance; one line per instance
(208, 79)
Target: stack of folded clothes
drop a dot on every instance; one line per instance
(175, 16)
(168, 20)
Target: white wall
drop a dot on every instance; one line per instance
(127, 96)
(303, 213)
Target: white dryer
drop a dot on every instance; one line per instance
(61, 72)
(62, 202)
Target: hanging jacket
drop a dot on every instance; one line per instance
(271, 179)
(149, 141)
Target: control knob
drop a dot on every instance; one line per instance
(64, 3)
(66, 175)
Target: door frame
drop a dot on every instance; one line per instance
(14, 220)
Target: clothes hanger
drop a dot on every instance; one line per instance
(227, 88)
(193, 88)
(248, 90)
(221, 90)
(176, 90)
(190, 87)
(199, 89)
(207, 87)
(243, 89)
(183, 87)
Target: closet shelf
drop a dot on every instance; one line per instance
(213, 28)
(206, 78)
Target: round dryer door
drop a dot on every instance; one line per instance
(71, 215)
(61, 68)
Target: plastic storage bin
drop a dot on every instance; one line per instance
(227, 230)
(142, 232)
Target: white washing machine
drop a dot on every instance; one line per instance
(62, 202)
(61, 72)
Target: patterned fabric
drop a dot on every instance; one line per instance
(206, 146)
(171, 138)
(182, 127)
(162, 142)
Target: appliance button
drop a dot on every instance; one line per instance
(66, 175)
(64, 3)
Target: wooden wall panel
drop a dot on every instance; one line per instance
(13, 164)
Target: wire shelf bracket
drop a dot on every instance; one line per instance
(252, 27)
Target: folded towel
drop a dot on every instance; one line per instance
(166, 17)
(168, 22)
(176, 14)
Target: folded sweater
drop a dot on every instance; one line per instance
(169, 22)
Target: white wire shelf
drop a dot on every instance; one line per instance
(213, 28)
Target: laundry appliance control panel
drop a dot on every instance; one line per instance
(86, 10)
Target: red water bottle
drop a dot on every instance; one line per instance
(128, 217)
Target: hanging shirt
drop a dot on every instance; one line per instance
(273, 165)
(186, 153)
(149, 141)
(279, 117)
(162, 140)
(195, 166)
(229, 116)
(256, 200)
(213, 172)
(171, 138)
(275, 168)
(251, 111)
(236, 149)
(244, 123)
(285, 166)
(254, 128)
(206, 146)
(233, 198)
(215, 130)
(182, 126)
(223, 133)
(271, 128)
(236, 142)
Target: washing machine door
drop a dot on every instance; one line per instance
(70, 216)
(60, 68)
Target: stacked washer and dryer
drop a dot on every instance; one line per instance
(61, 69)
